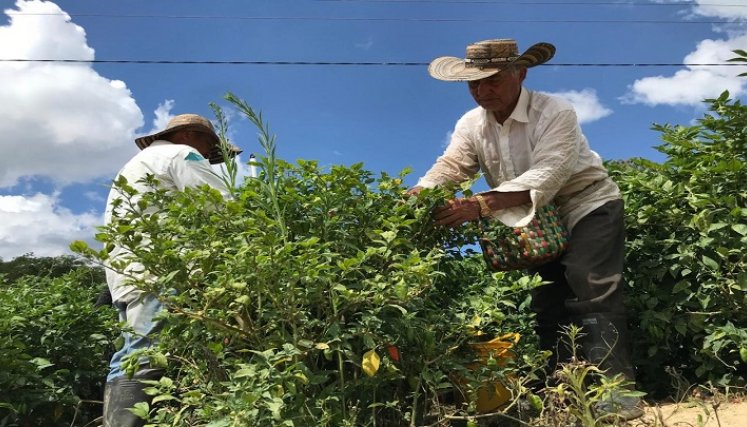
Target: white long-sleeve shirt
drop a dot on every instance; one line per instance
(539, 148)
(175, 167)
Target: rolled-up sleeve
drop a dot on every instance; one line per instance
(459, 162)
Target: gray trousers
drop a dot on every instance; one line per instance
(588, 278)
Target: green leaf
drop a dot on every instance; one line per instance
(140, 410)
(163, 397)
(740, 228)
(79, 246)
(158, 360)
(681, 286)
(710, 263)
(717, 226)
(681, 327)
(41, 363)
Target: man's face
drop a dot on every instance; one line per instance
(200, 141)
(499, 92)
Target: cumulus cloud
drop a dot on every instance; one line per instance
(723, 10)
(40, 225)
(162, 115)
(695, 83)
(586, 103)
(63, 121)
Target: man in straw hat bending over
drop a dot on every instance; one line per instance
(177, 157)
(531, 150)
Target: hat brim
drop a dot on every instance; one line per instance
(452, 69)
(216, 154)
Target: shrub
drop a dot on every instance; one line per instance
(687, 227)
(53, 346)
(313, 297)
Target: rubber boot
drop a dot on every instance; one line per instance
(606, 343)
(123, 393)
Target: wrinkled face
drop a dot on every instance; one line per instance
(499, 92)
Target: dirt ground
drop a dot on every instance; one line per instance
(695, 413)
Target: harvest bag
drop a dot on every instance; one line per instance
(542, 240)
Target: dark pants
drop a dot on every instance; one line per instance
(587, 279)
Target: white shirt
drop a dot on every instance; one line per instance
(539, 148)
(175, 167)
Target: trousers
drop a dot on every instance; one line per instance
(588, 277)
(139, 311)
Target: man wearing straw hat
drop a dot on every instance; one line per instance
(178, 157)
(532, 152)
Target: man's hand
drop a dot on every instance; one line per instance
(414, 191)
(457, 212)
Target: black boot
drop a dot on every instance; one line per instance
(123, 393)
(605, 342)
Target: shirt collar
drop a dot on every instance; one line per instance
(520, 111)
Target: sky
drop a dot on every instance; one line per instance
(339, 81)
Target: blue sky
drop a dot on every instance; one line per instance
(66, 128)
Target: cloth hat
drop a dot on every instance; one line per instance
(488, 57)
(191, 122)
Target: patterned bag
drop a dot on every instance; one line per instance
(542, 240)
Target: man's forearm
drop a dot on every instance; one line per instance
(496, 201)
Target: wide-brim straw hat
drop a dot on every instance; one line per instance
(488, 57)
(192, 122)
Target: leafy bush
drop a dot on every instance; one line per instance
(30, 265)
(53, 346)
(313, 298)
(687, 230)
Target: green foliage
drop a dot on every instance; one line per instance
(277, 298)
(53, 346)
(28, 265)
(579, 390)
(686, 237)
(741, 57)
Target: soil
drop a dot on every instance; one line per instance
(697, 413)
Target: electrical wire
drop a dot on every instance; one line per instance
(543, 3)
(352, 19)
(342, 63)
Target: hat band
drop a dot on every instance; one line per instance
(488, 62)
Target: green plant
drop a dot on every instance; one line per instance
(312, 297)
(687, 230)
(53, 346)
(579, 389)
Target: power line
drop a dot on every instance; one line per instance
(342, 63)
(398, 19)
(542, 3)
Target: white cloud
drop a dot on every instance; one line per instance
(365, 45)
(728, 10)
(40, 225)
(59, 120)
(586, 103)
(162, 115)
(695, 83)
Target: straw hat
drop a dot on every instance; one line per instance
(488, 57)
(196, 123)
